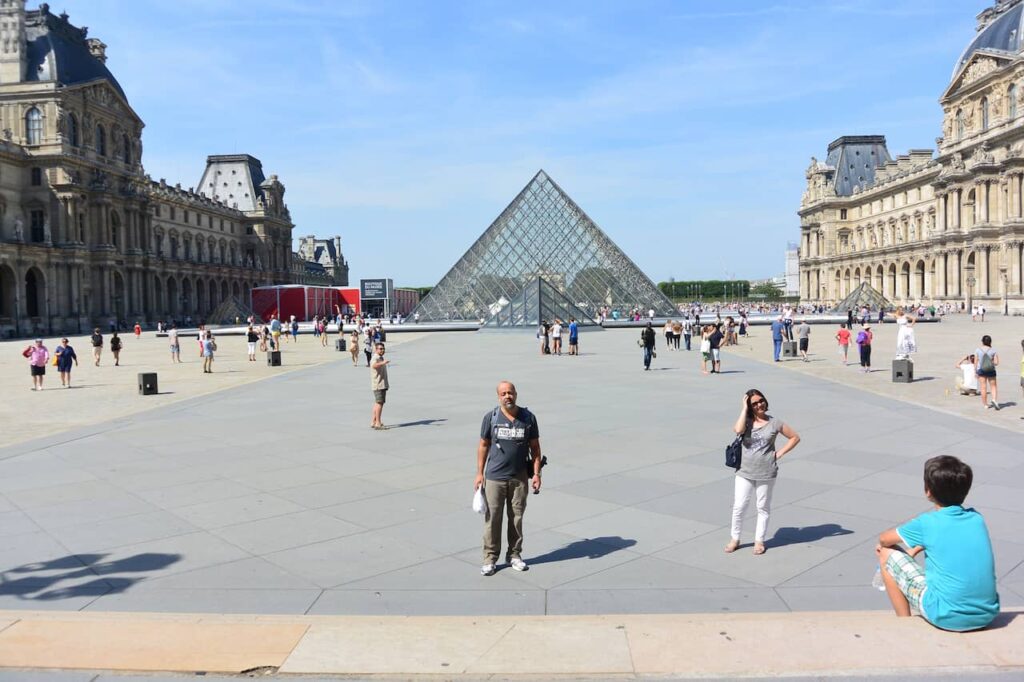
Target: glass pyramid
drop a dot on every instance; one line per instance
(536, 302)
(542, 235)
(864, 295)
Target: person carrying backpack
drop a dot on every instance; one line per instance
(864, 338)
(987, 359)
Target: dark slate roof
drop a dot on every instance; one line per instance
(1003, 34)
(57, 51)
(327, 245)
(855, 158)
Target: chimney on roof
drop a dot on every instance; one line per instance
(97, 48)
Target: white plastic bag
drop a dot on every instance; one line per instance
(479, 501)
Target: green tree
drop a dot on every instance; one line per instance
(767, 290)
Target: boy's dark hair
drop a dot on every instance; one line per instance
(986, 340)
(948, 480)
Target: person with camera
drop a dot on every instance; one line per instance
(508, 462)
(647, 343)
(759, 465)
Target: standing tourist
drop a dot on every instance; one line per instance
(65, 356)
(379, 384)
(321, 328)
(368, 344)
(843, 337)
(687, 332)
(803, 333)
(295, 329)
(138, 331)
(275, 333)
(778, 333)
(115, 348)
(508, 461)
(264, 337)
(759, 466)
(715, 339)
(988, 360)
(172, 336)
(38, 356)
(677, 333)
(556, 337)
(647, 342)
(97, 346)
(669, 324)
(906, 344)
(209, 348)
(705, 348)
(251, 339)
(864, 338)
(574, 337)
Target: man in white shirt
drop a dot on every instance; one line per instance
(556, 337)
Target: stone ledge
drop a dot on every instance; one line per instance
(713, 645)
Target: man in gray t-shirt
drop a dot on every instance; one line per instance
(508, 437)
(803, 332)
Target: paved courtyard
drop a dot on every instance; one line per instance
(276, 497)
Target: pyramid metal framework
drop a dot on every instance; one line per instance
(543, 234)
(864, 295)
(538, 301)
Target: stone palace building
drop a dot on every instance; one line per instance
(85, 235)
(928, 227)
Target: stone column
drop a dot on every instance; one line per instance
(981, 265)
(940, 212)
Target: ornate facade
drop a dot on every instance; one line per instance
(927, 227)
(85, 235)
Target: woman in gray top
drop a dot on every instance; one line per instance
(759, 465)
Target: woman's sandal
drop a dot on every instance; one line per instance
(731, 547)
(758, 548)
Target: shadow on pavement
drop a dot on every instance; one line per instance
(421, 422)
(591, 548)
(791, 535)
(81, 575)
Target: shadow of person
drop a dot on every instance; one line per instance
(590, 548)
(421, 422)
(791, 535)
(83, 575)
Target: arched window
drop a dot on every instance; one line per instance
(34, 126)
(961, 124)
(73, 130)
(984, 113)
(1011, 96)
(101, 140)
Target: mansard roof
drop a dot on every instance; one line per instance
(57, 51)
(999, 33)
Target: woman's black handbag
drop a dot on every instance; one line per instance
(734, 453)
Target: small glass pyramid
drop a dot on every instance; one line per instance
(864, 295)
(541, 238)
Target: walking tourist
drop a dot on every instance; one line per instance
(759, 465)
(38, 355)
(295, 329)
(368, 345)
(574, 337)
(65, 355)
(379, 384)
(778, 334)
(843, 337)
(687, 332)
(172, 337)
(864, 338)
(115, 348)
(251, 339)
(353, 347)
(321, 330)
(967, 382)
(647, 343)
(668, 333)
(508, 462)
(97, 346)
(906, 344)
(715, 339)
(677, 333)
(988, 360)
(956, 589)
(209, 348)
(803, 333)
(138, 330)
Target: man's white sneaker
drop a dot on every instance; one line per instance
(487, 569)
(518, 564)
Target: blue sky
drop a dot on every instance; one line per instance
(682, 128)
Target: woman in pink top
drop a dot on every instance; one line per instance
(37, 358)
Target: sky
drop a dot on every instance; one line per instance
(683, 128)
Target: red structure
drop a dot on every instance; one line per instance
(302, 301)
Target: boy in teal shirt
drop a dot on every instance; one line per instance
(957, 588)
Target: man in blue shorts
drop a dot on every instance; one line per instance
(574, 337)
